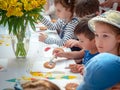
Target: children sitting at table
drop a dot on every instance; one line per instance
(107, 32)
(102, 72)
(107, 36)
(64, 25)
(87, 41)
(83, 8)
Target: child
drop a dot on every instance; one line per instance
(107, 32)
(65, 24)
(83, 8)
(102, 73)
(38, 85)
(86, 39)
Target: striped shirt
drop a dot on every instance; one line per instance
(66, 28)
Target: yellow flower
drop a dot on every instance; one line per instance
(31, 4)
(27, 5)
(41, 2)
(34, 3)
(4, 4)
(14, 12)
(14, 9)
(17, 14)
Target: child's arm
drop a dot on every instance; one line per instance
(77, 68)
(72, 42)
(68, 34)
(50, 25)
(70, 55)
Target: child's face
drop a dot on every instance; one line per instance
(85, 42)
(106, 40)
(62, 12)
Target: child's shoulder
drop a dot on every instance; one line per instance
(74, 20)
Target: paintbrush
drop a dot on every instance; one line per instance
(51, 59)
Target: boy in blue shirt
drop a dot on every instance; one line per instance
(87, 41)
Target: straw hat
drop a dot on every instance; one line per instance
(111, 17)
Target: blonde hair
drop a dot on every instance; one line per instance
(40, 84)
(115, 29)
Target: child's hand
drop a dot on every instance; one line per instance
(73, 68)
(76, 68)
(71, 42)
(42, 37)
(71, 86)
(80, 68)
(58, 52)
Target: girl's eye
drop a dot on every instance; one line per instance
(105, 35)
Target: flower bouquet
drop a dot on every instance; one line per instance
(17, 14)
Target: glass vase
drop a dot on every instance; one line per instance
(20, 43)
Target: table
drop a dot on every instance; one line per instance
(20, 69)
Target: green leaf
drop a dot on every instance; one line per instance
(32, 25)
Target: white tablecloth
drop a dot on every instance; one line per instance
(14, 69)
